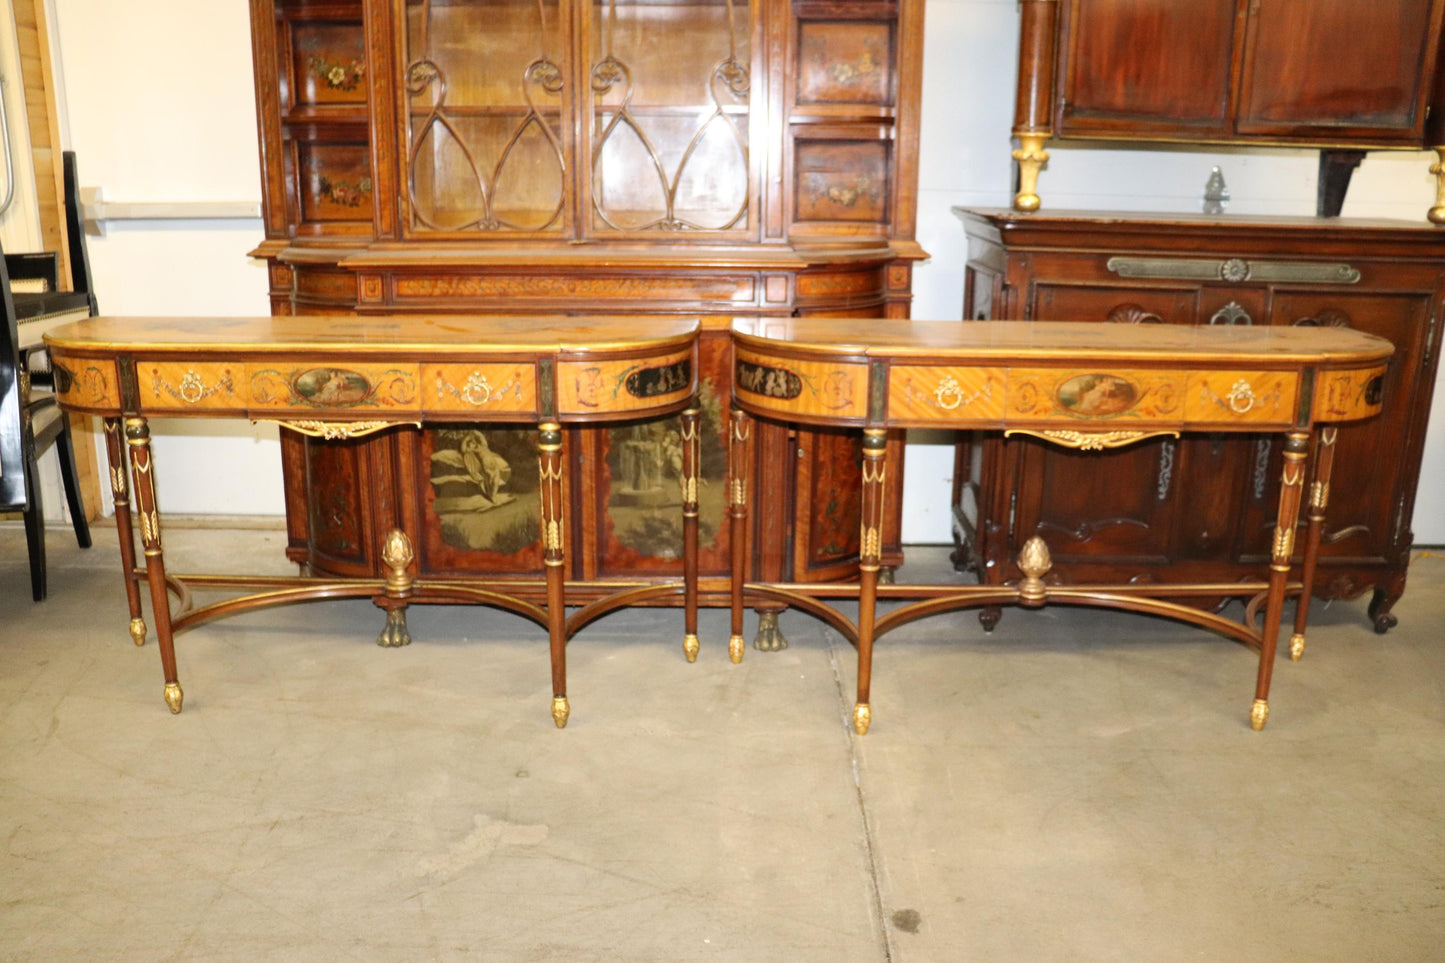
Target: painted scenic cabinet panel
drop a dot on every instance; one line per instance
(704, 158)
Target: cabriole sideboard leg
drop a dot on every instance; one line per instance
(120, 498)
(691, 457)
(1383, 600)
(138, 438)
(549, 457)
(1319, 500)
(740, 468)
(875, 443)
(1296, 448)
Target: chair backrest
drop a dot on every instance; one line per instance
(13, 496)
(75, 232)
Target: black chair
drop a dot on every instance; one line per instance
(40, 304)
(30, 420)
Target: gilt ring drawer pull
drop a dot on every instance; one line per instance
(1240, 397)
(191, 389)
(476, 392)
(949, 394)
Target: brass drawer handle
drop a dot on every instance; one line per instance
(1231, 313)
(1233, 270)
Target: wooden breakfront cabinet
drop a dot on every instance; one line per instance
(697, 158)
(1342, 75)
(1199, 509)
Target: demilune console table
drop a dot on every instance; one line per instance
(345, 377)
(1082, 386)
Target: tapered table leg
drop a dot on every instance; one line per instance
(1296, 449)
(120, 498)
(691, 458)
(1319, 499)
(870, 553)
(740, 467)
(138, 439)
(554, 558)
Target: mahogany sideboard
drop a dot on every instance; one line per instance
(347, 377)
(1086, 387)
(1199, 509)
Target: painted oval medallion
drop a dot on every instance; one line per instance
(1097, 395)
(331, 387)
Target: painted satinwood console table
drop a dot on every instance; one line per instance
(1084, 386)
(343, 377)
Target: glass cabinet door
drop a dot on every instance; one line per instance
(668, 85)
(485, 97)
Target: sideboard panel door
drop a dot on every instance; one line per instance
(1145, 63)
(1339, 63)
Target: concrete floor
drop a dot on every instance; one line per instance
(1077, 786)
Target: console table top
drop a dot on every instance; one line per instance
(377, 370)
(384, 334)
(953, 341)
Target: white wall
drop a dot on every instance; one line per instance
(160, 108)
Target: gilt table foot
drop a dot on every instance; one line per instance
(1258, 714)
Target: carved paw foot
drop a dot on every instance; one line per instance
(394, 633)
(989, 615)
(770, 638)
(1380, 614)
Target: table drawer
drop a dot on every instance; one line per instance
(1242, 397)
(187, 385)
(945, 393)
(318, 387)
(480, 388)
